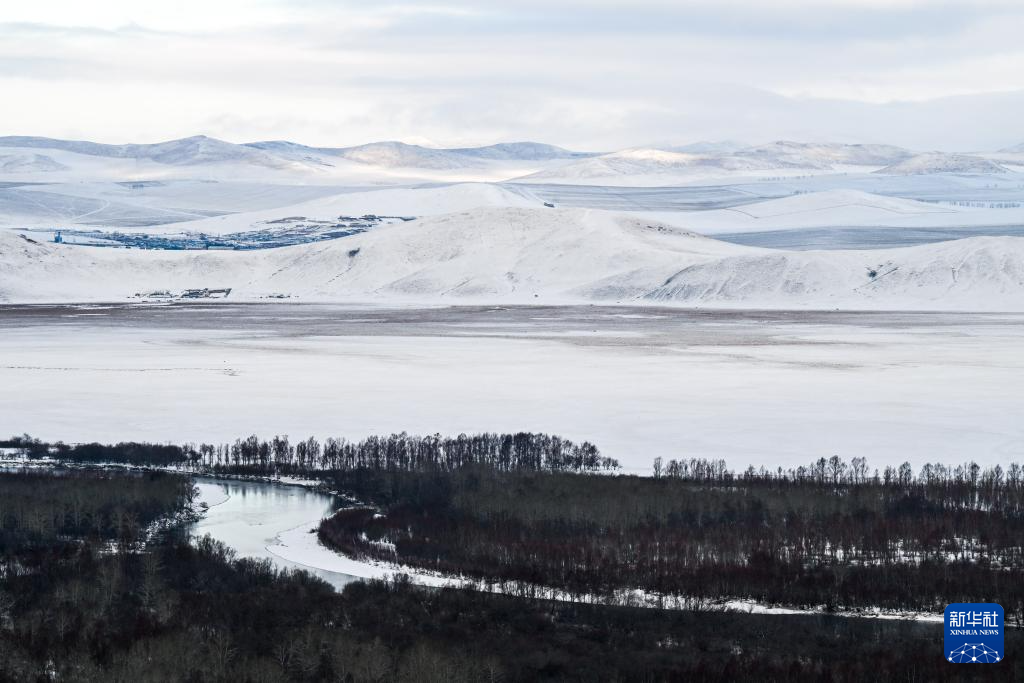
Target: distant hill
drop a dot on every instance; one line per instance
(520, 151)
(400, 154)
(704, 159)
(201, 149)
(20, 163)
(824, 155)
(942, 162)
(393, 154)
(195, 150)
(706, 147)
(539, 161)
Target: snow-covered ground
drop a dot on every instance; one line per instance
(773, 389)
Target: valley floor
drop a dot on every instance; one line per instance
(761, 388)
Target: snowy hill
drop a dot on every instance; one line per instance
(400, 154)
(520, 151)
(202, 156)
(708, 160)
(281, 161)
(941, 162)
(981, 273)
(413, 202)
(707, 147)
(785, 153)
(198, 149)
(393, 154)
(636, 166)
(536, 255)
(397, 162)
(24, 162)
(201, 149)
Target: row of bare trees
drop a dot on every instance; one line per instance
(522, 451)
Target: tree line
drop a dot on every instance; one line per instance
(522, 451)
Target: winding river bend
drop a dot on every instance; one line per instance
(277, 522)
(264, 520)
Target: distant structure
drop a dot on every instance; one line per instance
(549, 205)
(58, 238)
(203, 293)
(206, 293)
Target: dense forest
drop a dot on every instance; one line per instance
(93, 587)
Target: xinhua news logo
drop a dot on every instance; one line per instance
(974, 633)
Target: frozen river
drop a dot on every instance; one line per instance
(761, 388)
(255, 518)
(276, 521)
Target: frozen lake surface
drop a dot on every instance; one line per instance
(862, 237)
(761, 388)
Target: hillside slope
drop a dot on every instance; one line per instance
(536, 256)
(410, 202)
(941, 162)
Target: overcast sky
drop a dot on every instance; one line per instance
(589, 74)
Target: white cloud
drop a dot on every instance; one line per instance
(592, 73)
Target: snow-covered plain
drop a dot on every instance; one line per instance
(773, 389)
